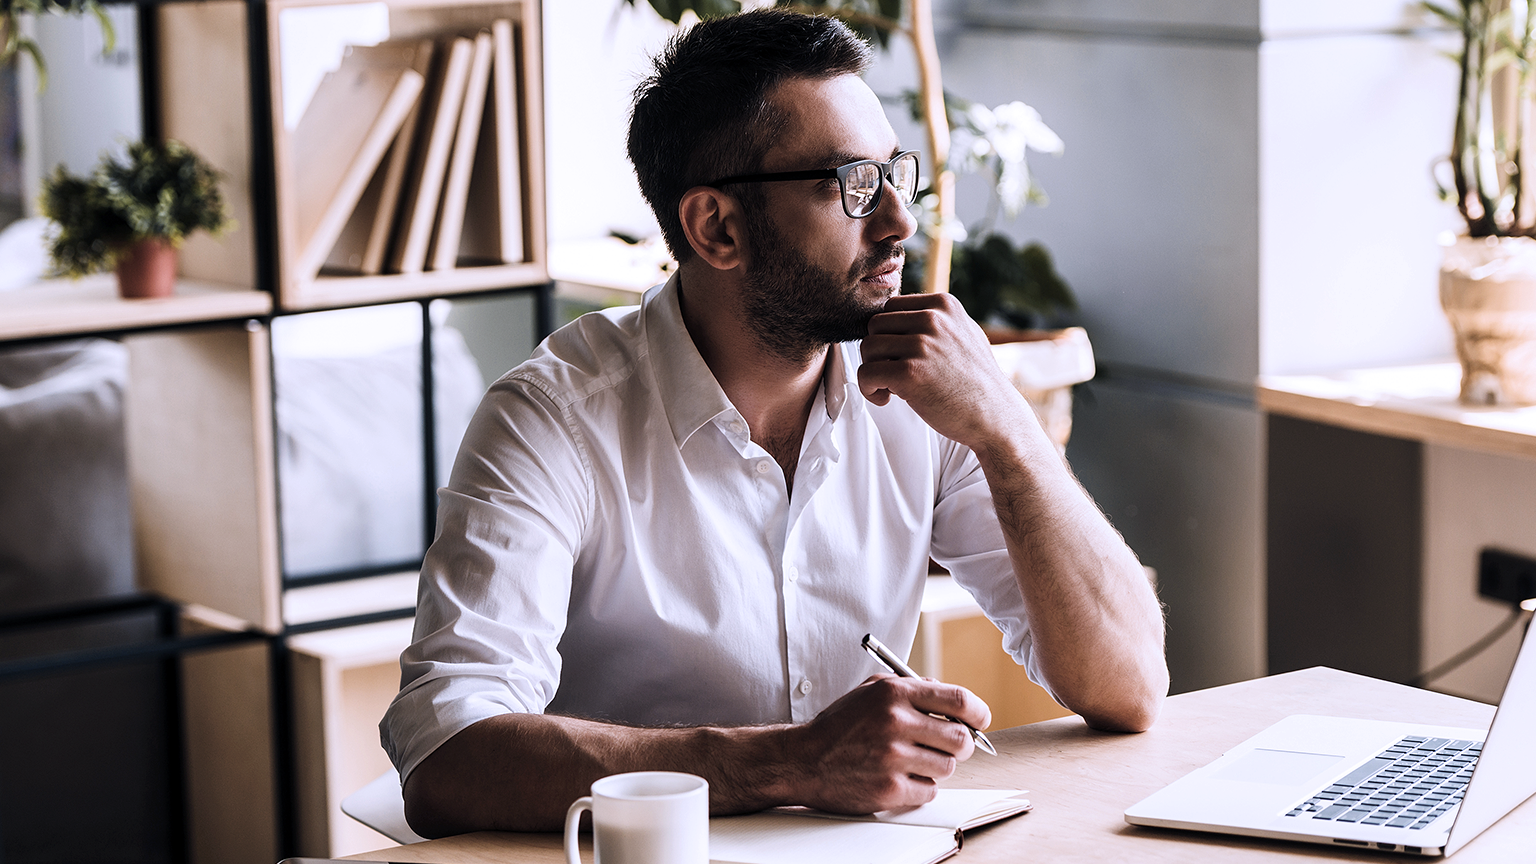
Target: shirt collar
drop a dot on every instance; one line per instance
(689, 392)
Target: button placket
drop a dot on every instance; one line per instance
(795, 640)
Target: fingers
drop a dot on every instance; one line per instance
(880, 746)
(952, 701)
(926, 350)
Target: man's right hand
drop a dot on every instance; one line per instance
(880, 747)
(876, 748)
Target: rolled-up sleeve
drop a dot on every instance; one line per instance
(495, 585)
(968, 541)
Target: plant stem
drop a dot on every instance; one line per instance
(1523, 95)
(931, 87)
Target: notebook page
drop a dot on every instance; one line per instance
(950, 808)
(784, 838)
(960, 808)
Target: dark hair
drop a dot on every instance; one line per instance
(705, 113)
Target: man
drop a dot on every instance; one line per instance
(667, 532)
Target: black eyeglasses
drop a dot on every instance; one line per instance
(860, 182)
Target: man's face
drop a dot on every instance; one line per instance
(813, 274)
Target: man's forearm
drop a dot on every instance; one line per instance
(884, 744)
(1096, 623)
(519, 772)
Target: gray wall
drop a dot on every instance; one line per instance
(1245, 190)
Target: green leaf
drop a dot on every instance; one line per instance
(108, 32)
(990, 276)
(1499, 59)
(1445, 13)
(31, 49)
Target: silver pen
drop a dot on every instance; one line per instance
(902, 670)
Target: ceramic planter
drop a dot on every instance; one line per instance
(147, 268)
(1488, 291)
(1043, 365)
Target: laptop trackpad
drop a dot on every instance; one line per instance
(1281, 767)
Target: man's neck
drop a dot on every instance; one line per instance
(773, 393)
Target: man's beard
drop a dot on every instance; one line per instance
(795, 308)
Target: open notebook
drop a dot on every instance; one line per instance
(918, 835)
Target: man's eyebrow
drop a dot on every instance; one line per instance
(842, 157)
(837, 159)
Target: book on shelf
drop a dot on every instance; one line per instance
(361, 246)
(916, 835)
(423, 184)
(443, 254)
(355, 114)
(495, 234)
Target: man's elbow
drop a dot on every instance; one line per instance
(1128, 706)
(1129, 716)
(424, 810)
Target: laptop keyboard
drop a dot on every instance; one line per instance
(1408, 785)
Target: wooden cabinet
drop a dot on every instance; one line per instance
(343, 680)
(956, 643)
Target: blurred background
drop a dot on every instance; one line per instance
(1245, 190)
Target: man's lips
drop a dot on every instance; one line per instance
(886, 272)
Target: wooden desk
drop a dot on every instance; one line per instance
(1081, 781)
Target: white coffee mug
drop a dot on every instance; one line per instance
(644, 817)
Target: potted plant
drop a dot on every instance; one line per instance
(1488, 279)
(1014, 292)
(131, 214)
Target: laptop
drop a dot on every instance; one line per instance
(1398, 787)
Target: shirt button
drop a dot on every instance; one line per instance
(762, 466)
(737, 426)
(792, 574)
(805, 687)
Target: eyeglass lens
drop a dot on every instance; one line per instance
(861, 188)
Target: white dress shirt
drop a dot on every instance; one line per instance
(613, 545)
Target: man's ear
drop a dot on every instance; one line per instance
(712, 222)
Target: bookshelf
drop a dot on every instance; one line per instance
(276, 731)
(61, 307)
(219, 113)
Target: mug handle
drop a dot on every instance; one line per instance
(572, 825)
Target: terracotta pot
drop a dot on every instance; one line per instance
(147, 269)
(1043, 365)
(1488, 291)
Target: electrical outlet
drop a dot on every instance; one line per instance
(1506, 576)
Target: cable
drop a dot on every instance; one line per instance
(1476, 648)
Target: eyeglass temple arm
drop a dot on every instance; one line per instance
(818, 174)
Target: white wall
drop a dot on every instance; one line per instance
(595, 52)
(1351, 123)
(91, 103)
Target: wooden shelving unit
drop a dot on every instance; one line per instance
(1417, 402)
(62, 307)
(213, 112)
(200, 428)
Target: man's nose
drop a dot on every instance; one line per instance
(891, 218)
